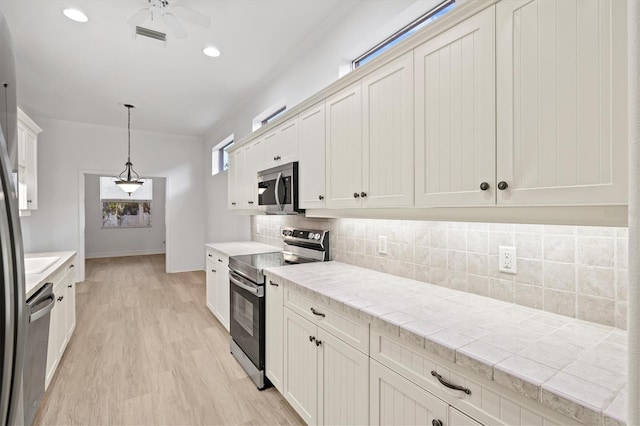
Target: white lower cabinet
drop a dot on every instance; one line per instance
(274, 362)
(334, 368)
(397, 401)
(325, 380)
(300, 366)
(343, 373)
(62, 321)
(217, 273)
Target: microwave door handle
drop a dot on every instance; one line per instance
(277, 188)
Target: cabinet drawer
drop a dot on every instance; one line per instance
(350, 329)
(487, 402)
(215, 256)
(69, 267)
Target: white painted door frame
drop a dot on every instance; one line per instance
(80, 256)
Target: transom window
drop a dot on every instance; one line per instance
(220, 156)
(404, 33)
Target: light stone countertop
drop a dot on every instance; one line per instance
(574, 367)
(238, 248)
(33, 282)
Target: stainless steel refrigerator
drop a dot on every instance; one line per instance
(13, 320)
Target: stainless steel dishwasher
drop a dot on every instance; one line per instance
(35, 364)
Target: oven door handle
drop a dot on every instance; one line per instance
(253, 290)
(278, 179)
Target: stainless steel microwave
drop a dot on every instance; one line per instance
(278, 190)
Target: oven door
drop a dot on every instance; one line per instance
(247, 317)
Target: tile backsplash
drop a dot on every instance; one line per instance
(577, 271)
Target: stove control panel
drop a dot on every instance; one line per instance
(306, 235)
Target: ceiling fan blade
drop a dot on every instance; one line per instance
(141, 16)
(174, 25)
(192, 16)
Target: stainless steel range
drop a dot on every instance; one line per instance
(247, 292)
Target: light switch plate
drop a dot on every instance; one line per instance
(257, 228)
(382, 244)
(507, 260)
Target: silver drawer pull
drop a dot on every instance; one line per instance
(449, 385)
(320, 314)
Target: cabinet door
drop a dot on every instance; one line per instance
(455, 115)
(252, 165)
(222, 290)
(281, 144)
(344, 148)
(387, 105)
(248, 177)
(397, 401)
(287, 142)
(344, 375)
(31, 169)
(274, 344)
(56, 330)
(311, 176)
(562, 102)
(211, 285)
(70, 305)
(22, 166)
(234, 184)
(300, 366)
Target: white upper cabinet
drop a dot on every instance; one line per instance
(233, 196)
(242, 180)
(28, 132)
(344, 148)
(562, 102)
(387, 118)
(369, 139)
(455, 115)
(281, 145)
(311, 178)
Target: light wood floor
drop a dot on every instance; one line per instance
(146, 350)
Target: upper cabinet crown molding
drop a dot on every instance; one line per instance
(27, 121)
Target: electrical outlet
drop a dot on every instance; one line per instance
(507, 259)
(257, 228)
(382, 244)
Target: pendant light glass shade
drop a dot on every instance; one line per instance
(129, 180)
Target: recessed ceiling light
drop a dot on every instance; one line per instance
(211, 51)
(75, 15)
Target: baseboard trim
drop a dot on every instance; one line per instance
(123, 253)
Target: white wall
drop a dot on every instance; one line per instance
(352, 30)
(222, 223)
(110, 242)
(67, 150)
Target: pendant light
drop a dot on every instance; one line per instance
(129, 180)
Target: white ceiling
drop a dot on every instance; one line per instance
(85, 72)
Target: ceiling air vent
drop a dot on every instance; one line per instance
(146, 32)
